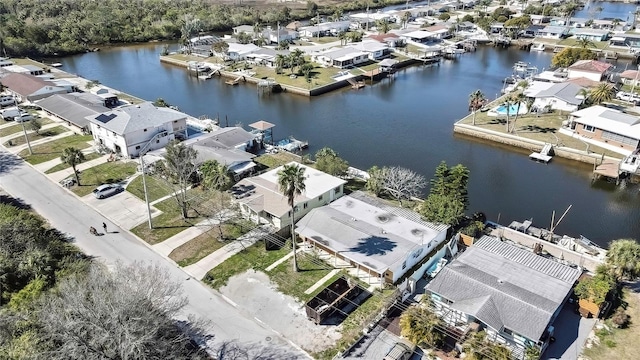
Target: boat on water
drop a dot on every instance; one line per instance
(291, 144)
(538, 47)
(521, 66)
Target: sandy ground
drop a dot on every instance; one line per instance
(254, 293)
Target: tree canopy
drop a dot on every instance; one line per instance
(623, 257)
(448, 197)
(568, 56)
(327, 160)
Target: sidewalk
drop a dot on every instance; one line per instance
(42, 167)
(166, 247)
(65, 173)
(202, 267)
(17, 149)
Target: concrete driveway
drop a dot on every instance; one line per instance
(571, 332)
(123, 209)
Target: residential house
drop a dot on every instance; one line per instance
(374, 49)
(74, 107)
(418, 36)
(538, 19)
(4, 62)
(608, 128)
(25, 69)
(531, 31)
(379, 239)
(591, 34)
(392, 40)
(466, 26)
(496, 28)
(247, 29)
(577, 22)
(553, 32)
(279, 35)
(365, 20)
(591, 69)
(109, 99)
(626, 41)
(238, 52)
(564, 96)
(26, 87)
(261, 201)
(128, 129)
(341, 57)
(509, 292)
(324, 29)
(630, 77)
(439, 32)
(266, 57)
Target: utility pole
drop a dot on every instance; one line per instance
(146, 194)
(24, 130)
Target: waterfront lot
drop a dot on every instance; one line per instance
(51, 150)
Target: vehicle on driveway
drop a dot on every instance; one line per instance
(107, 190)
(23, 117)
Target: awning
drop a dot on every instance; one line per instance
(617, 38)
(242, 167)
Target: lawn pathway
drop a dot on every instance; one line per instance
(65, 173)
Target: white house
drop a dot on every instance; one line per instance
(382, 240)
(511, 293)
(418, 36)
(630, 77)
(327, 28)
(374, 49)
(439, 32)
(128, 129)
(247, 29)
(26, 87)
(341, 57)
(607, 128)
(565, 96)
(591, 34)
(553, 32)
(25, 69)
(279, 35)
(590, 69)
(109, 99)
(238, 51)
(261, 201)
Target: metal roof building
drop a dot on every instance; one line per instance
(73, 107)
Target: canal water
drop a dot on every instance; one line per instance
(406, 121)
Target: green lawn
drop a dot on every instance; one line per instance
(62, 166)
(319, 76)
(274, 160)
(197, 248)
(254, 257)
(53, 149)
(324, 39)
(11, 130)
(20, 140)
(600, 45)
(156, 188)
(171, 222)
(109, 172)
(296, 283)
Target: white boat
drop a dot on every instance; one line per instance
(291, 144)
(521, 66)
(538, 47)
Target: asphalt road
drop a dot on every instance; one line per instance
(230, 327)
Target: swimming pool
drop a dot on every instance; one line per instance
(512, 110)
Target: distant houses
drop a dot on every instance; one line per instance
(27, 87)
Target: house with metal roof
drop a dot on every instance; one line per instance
(553, 32)
(26, 87)
(74, 107)
(377, 238)
(609, 128)
(590, 34)
(564, 96)
(230, 146)
(126, 130)
(261, 201)
(509, 292)
(375, 49)
(341, 57)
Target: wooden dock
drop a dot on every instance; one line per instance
(609, 169)
(235, 81)
(355, 84)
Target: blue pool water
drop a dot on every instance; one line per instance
(513, 109)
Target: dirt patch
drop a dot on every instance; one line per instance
(254, 293)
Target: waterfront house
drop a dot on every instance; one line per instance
(374, 49)
(538, 19)
(564, 96)
(553, 32)
(4, 62)
(26, 87)
(630, 77)
(418, 36)
(324, 29)
(341, 57)
(379, 239)
(109, 99)
(74, 108)
(25, 69)
(265, 57)
(496, 28)
(531, 31)
(466, 26)
(607, 128)
(509, 292)
(591, 34)
(128, 129)
(261, 201)
(365, 20)
(238, 52)
(392, 40)
(591, 69)
(439, 32)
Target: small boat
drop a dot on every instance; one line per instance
(538, 47)
(521, 66)
(291, 144)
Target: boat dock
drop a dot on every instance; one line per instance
(544, 154)
(609, 169)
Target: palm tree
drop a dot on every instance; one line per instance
(281, 60)
(585, 43)
(623, 257)
(406, 16)
(296, 58)
(517, 99)
(215, 175)
(476, 102)
(382, 26)
(291, 183)
(72, 157)
(603, 92)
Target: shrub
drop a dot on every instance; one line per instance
(620, 318)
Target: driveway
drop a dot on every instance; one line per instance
(124, 209)
(571, 332)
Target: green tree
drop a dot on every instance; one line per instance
(382, 26)
(72, 157)
(220, 47)
(448, 197)
(517, 99)
(179, 168)
(476, 101)
(623, 257)
(306, 70)
(328, 161)
(444, 17)
(35, 125)
(281, 61)
(160, 102)
(291, 183)
(601, 93)
(375, 182)
(585, 43)
(420, 326)
(244, 38)
(596, 288)
(568, 56)
(215, 175)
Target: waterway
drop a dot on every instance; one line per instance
(406, 122)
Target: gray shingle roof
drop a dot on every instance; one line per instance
(565, 91)
(505, 286)
(225, 137)
(74, 107)
(135, 117)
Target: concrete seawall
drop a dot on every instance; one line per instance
(529, 144)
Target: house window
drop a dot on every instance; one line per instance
(113, 133)
(320, 198)
(404, 265)
(138, 147)
(507, 331)
(589, 128)
(175, 121)
(337, 190)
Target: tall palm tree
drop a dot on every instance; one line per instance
(215, 175)
(476, 102)
(585, 43)
(72, 157)
(601, 93)
(291, 183)
(517, 99)
(281, 60)
(623, 257)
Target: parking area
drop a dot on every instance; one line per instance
(124, 209)
(571, 332)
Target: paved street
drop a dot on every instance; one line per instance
(227, 324)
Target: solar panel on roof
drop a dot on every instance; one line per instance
(104, 118)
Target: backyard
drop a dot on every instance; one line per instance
(53, 149)
(278, 159)
(109, 172)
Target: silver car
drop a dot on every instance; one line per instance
(107, 190)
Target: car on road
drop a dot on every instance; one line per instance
(625, 96)
(399, 351)
(107, 190)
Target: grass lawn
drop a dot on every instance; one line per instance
(62, 166)
(19, 140)
(53, 149)
(296, 283)
(156, 188)
(254, 257)
(11, 130)
(354, 185)
(197, 248)
(274, 160)
(542, 128)
(170, 222)
(324, 39)
(319, 76)
(600, 45)
(620, 343)
(109, 172)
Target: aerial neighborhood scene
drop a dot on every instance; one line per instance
(328, 179)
